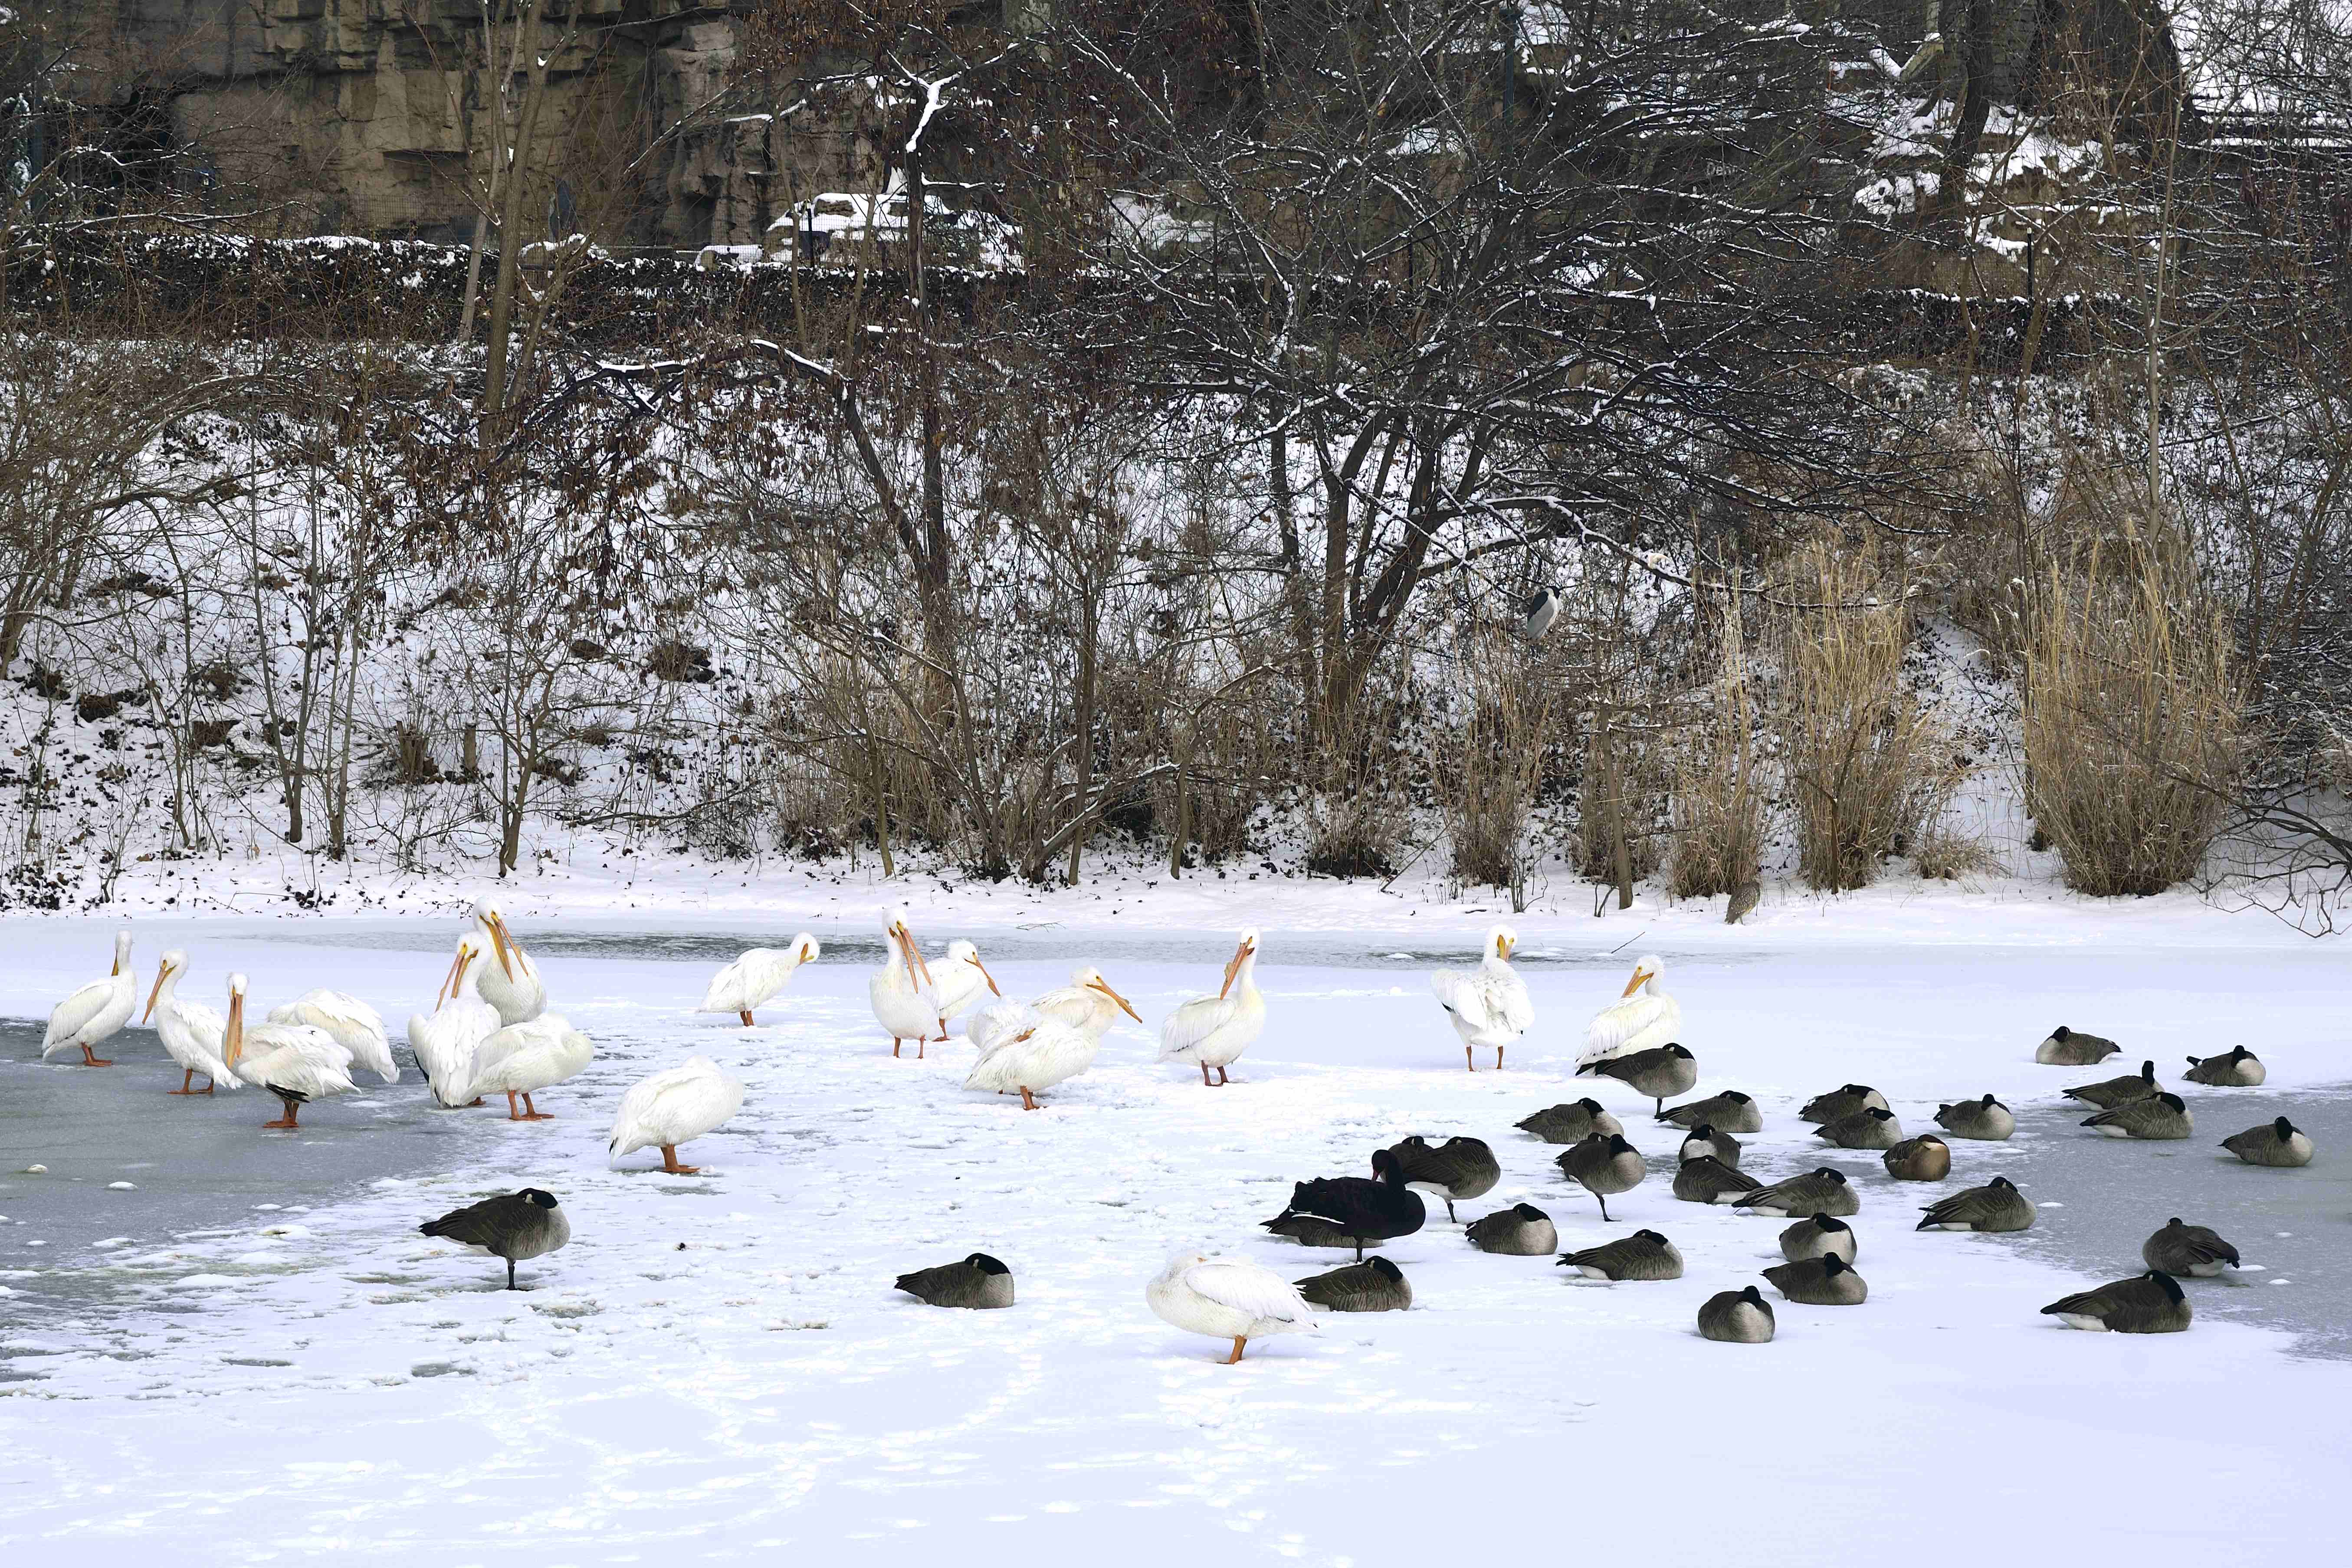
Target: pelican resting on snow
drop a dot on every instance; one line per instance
(511, 982)
(523, 1058)
(1643, 1018)
(673, 1108)
(1488, 1006)
(1227, 1298)
(296, 1062)
(355, 1026)
(95, 1011)
(445, 1042)
(1214, 1031)
(1034, 1059)
(757, 976)
(193, 1034)
(906, 1001)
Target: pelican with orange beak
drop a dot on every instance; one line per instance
(906, 1001)
(1488, 1006)
(1643, 1018)
(509, 983)
(95, 1011)
(960, 978)
(1214, 1031)
(445, 1040)
(193, 1034)
(296, 1062)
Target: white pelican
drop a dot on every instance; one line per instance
(193, 1034)
(95, 1011)
(1227, 1298)
(759, 974)
(959, 981)
(445, 1042)
(672, 1108)
(1086, 1003)
(1214, 1031)
(523, 1058)
(1645, 1017)
(510, 985)
(295, 1062)
(905, 1001)
(1488, 1004)
(1034, 1059)
(356, 1027)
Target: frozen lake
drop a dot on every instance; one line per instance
(716, 1367)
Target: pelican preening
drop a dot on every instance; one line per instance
(193, 1034)
(1033, 1059)
(906, 1001)
(673, 1108)
(1488, 1006)
(1088, 1003)
(510, 983)
(445, 1042)
(296, 1062)
(1645, 1017)
(756, 977)
(95, 1011)
(355, 1026)
(1214, 1031)
(523, 1058)
(1227, 1298)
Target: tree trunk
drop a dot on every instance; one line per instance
(1087, 628)
(502, 294)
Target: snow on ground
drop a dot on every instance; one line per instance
(718, 1369)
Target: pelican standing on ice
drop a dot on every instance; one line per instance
(193, 1034)
(511, 982)
(356, 1027)
(445, 1042)
(95, 1011)
(672, 1108)
(523, 1058)
(905, 1001)
(756, 977)
(1227, 1298)
(1214, 1031)
(295, 1062)
(959, 980)
(1643, 1018)
(1488, 1004)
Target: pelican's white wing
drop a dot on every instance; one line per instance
(1636, 1024)
(1485, 1001)
(1192, 1022)
(446, 1042)
(957, 986)
(69, 1017)
(751, 980)
(356, 1025)
(998, 1022)
(674, 1107)
(1246, 1288)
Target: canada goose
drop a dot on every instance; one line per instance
(1459, 1168)
(1822, 1191)
(1823, 1236)
(2109, 1092)
(1871, 1129)
(2149, 1303)
(2280, 1143)
(1730, 1111)
(977, 1281)
(1227, 1298)
(1487, 1006)
(1667, 1069)
(517, 1227)
(1842, 1102)
(2065, 1048)
(1604, 1165)
(1645, 1254)
(1522, 1230)
(1375, 1285)
(1995, 1207)
(755, 976)
(1704, 1139)
(1354, 1208)
(1925, 1158)
(2240, 1070)
(1737, 1317)
(2190, 1249)
(1707, 1180)
(2163, 1116)
(674, 1107)
(1827, 1280)
(1571, 1122)
(1643, 1018)
(1987, 1118)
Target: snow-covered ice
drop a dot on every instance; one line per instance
(718, 1369)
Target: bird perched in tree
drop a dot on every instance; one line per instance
(1537, 611)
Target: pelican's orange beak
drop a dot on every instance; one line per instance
(984, 974)
(449, 980)
(1125, 1007)
(1233, 968)
(504, 943)
(159, 973)
(232, 1041)
(1505, 947)
(1641, 977)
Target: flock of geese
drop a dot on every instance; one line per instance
(490, 1033)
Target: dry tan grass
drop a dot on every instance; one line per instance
(1718, 804)
(1487, 769)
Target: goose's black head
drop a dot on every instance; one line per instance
(1529, 1212)
(1617, 1144)
(1386, 1167)
(2172, 1223)
(1385, 1269)
(2173, 1101)
(1652, 1236)
(1416, 1141)
(2167, 1283)
(2061, 1032)
(1989, 1102)
(2239, 1052)
(1591, 1104)
(986, 1264)
(1831, 1174)
(545, 1200)
(2284, 1128)
(1832, 1265)
(1732, 1095)
(2147, 1072)
(2003, 1183)
(1875, 1114)
(1703, 1130)
(1827, 1222)
(1674, 1050)
(1753, 1295)
(1860, 1090)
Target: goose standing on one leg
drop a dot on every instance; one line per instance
(510, 983)
(1488, 1006)
(1645, 1017)
(755, 976)
(905, 1001)
(193, 1034)
(355, 1027)
(1214, 1031)
(445, 1041)
(296, 1062)
(94, 1011)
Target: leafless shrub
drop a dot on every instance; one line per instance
(1719, 806)
(1488, 767)
(1944, 853)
